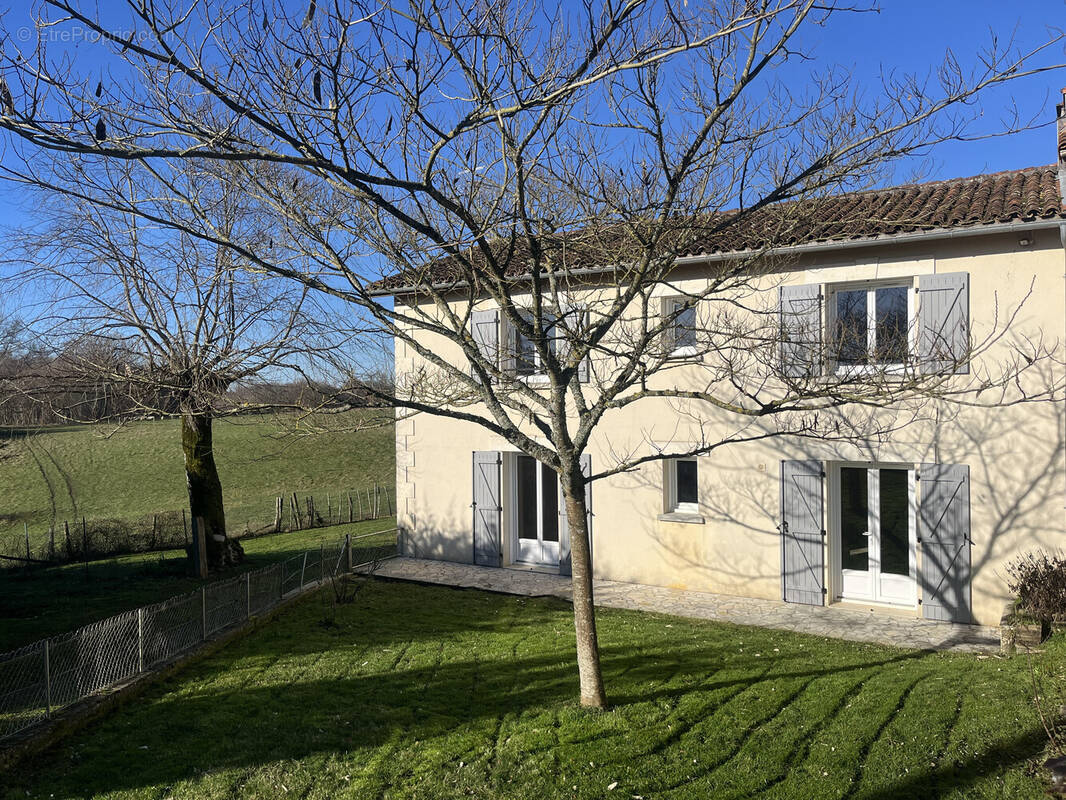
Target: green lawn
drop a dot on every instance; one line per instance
(59, 474)
(431, 692)
(39, 603)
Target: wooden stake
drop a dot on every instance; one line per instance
(350, 519)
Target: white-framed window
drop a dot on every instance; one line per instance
(682, 492)
(871, 325)
(527, 359)
(682, 331)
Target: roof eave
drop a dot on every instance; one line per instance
(931, 234)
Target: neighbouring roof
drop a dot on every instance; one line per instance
(1023, 195)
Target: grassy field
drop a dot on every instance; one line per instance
(39, 603)
(431, 692)
(97, 471)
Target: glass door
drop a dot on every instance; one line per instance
(876, 535)
(536, 517)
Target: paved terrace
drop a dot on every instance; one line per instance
(834, 621)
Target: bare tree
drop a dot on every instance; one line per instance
(167, 321)
(493, 154)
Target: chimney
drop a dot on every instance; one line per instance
(1060, 114)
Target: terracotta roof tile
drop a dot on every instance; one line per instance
(1018, 195)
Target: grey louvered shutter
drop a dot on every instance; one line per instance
(802, 533)
(944, 533)
(800, 315)
(564, 529)
(944, 323)
(487, 508)
(485, 329)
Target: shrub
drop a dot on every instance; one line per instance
(1039, 582)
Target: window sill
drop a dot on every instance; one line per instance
(538, 379)
(683, 517)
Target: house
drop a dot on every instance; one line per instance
(921, 522)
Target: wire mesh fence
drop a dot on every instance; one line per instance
(47, 675)
(82, 539)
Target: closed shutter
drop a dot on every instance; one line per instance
(564, 529)
(487, 508)
(485, 329)
(944, 323)
(944, 533)
(802, 533)
(800, 314)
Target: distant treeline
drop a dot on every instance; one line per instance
(47, 388)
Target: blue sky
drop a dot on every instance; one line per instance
(906, 35)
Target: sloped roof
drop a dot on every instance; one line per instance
(1013, 196)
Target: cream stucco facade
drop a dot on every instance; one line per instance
(1015, 454)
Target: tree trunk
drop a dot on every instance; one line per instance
(205, 490)
(588, 647)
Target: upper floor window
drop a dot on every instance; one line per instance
(857, 328)
(528, 361)
(871, 326)
(681, 332)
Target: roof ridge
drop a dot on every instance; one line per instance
(944, 181)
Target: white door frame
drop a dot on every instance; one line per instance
(543, 554)
(886, 590)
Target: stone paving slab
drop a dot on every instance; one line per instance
(833, 621)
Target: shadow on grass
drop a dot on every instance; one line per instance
(437, 669)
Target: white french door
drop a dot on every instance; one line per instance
(535, 516)
(875, 535)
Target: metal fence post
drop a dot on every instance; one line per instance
(303, 569)
(348, 550)
(248, 595)
(203, 610)
(322, 562)
(47, 680)
(140, 640)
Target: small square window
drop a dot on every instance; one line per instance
(683, 327)
(682, 486)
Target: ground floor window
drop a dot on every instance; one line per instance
(682, 494)
(535, 520)
(874, 511)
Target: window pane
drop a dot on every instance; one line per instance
(854, 519)
(554, 332)
(687, 483)
(526, 486)
(851, 327)
(895, 522)
(685, 328)
(549, 488)
(525, 356)
(892, 325)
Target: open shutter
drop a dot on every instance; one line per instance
(564, 529)
(485, 329)
(944, 534)
(802, 533)
(487, 508)
(800, 313)
(944, 323)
